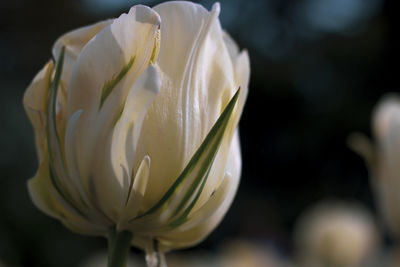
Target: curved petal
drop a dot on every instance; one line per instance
(204, 212)
(135, 197)
(35, 99)
(242, 77)
(103, 76)
(241, 64)
(46, 198)
(234, 162)
(184, 237)
(231, 45)
(127, 129)
(242, 74)
(196, 73)
(176, 205)
(113, 169)
(110, 62)
(74, 41)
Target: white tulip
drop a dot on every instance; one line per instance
(140, 133)
(383, 158)
(336, 234)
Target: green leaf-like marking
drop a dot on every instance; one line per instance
(51, 129)
(109, 86)
(182, 218)
(198, 169)
(56, 160)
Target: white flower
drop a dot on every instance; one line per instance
(336, 234)
(141, 132)
(383, 158)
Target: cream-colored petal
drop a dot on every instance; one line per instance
(136, 194)
(196, 74)
(218, 167)
(71, 155)
(187, 237)
(74, 41)
(174, 207)
(109, 63)
(242, 74)
(242, 77)
(127, 130)
(209, 207)
(113, 168)
(35, 99)
(91, 206)
(234, 162)
(231, 45)
(241, 64)
(103, 76)
(58, 170)
(47, 199)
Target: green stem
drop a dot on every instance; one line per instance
(119, 244)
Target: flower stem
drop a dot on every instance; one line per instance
(119, 244)
(154, 257)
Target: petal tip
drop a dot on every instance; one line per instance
(216, 8)
(147, 160)
(143, 13)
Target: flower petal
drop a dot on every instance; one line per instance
(46, 198)
(242, 74)
(184, 237)
(127, 129)
(135, 197)
(104, 73)
(242, 77)
(241, 64)
(196, 71)
(204, 212)
(173, 209)
(113, 165)
(35, 99)
(74, 41)
(126, 46)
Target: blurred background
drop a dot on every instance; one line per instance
(317, 69)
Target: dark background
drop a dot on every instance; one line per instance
(318, 68)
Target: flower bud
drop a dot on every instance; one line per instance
(136, 125)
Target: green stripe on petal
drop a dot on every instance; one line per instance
(182, 218)
(195, 172)
(51, 128)
(56, 159)
(110, 85)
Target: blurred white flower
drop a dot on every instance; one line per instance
(336, 234)
(383, 158)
